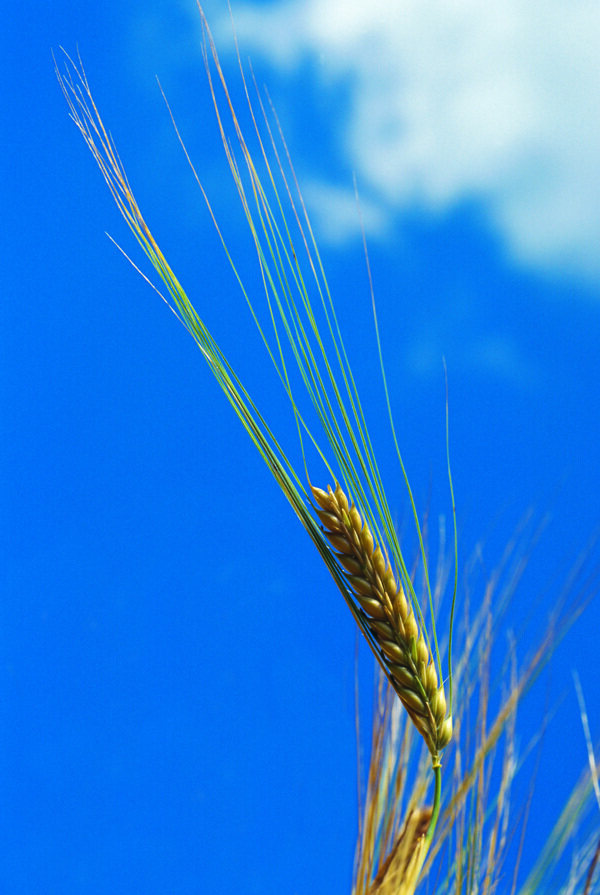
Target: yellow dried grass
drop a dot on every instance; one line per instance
(399, 873)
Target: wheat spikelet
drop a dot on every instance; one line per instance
(403, 649)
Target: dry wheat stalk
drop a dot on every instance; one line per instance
(399, 872)
(389, 617)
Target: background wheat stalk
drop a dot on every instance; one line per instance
(399, 872)
(479, 839)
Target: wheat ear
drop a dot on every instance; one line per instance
(404, 652)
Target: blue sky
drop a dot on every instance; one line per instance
(175, 717)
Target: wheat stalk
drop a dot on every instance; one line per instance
(399, 873)
(305, 337)
(404, 652)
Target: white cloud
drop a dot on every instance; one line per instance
(461, 99)
(498, 356)
(336, 213)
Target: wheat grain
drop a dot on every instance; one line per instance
(404, 652)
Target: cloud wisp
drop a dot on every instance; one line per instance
(460, 101)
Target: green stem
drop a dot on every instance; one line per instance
(437, 801)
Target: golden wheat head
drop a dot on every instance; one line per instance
(403, 648)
